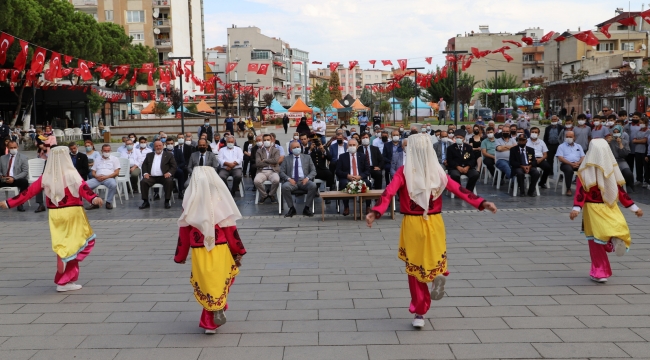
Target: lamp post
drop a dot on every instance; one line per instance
(455, 53)
(172, 57)
(417, 92)
(392, 98)
(238, 95)
(496, 73)
(216, 98)
(253, 88)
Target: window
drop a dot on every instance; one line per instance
(108, 14)
(367, 77)
(533, 35)
(95, 16)
(627, 46)
(260, 55)
(321, 74)
(135, 16)
(342, 84)
(605, 46)
(376, 77)
(137, 36)
(529, 57)
(532, 71)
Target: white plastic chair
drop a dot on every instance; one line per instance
(485, 173)
(558, 174)
(94, 132)
(161, 190)
(463, 177)
(68, 134)
(515, 188)
(15, 190)
(124, 177)
(241, 185)
(35, 169)
(497, 177)
(117, 154)
(105, 189)
(77, 133)
(58, 134)
(278, 195)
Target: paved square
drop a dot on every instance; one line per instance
(518, 289)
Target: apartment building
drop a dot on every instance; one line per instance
(354, 80)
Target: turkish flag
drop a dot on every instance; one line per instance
(403, 63)
(518, 44)
(428, 59)
(38, 60)
(84, 71)
(65, 72)
(297, 63)
(3, 74)
(476, 52)
(263, 69)
(386, 62)
(253, 67)
(560, 38)
(587, 37)
(54, 71)
(507, 57)
(231, 66)
(316, 62)
(67, 59)
(5, 42)
(646, 16)
(353, 63)
(333, 66)
(372, 62)
(21, 59)
(627, 22)
(605, 30)
(547, 37)
(341, 88)
(134, 78)
(527, 40)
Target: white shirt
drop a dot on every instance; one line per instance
(231, 155)
(442, 106)
(142, 154)
(341, 151)
(539, 146)
(379, 143)
(122, 149)
(103, 166)
(319, 124)
(155, 166)
(134, 158)
(301, 175)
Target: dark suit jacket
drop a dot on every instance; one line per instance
(334, 152)
(180, 159)
(388, 153)
(375, 156)
(167, 163)
(547, 132)
(343, 166)
(460, 157)
(82, 165)
(515, 157)
(188, 149)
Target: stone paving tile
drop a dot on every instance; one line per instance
(570, 350)
(500, 351)
(357, 338)
(325, 352)
(266, 353)
(408, 352)
(76, 354)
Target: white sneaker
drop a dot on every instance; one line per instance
(438, 290)
(418, 322)
(619, 246)
(68, 287)
(210, 331)
(219, 317)
(598, 280)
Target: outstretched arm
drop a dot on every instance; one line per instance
(25, 195)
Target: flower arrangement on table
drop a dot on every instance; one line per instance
(356, 187)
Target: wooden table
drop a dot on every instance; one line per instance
(337, 195)
(370, 195)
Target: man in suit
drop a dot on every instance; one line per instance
(190, 140)
(337, 148)
(461, 161)
(258, 146)
(298, 173)
(351, 166)
(441, 149)
(202, 157)
(79, 160)
(392, 151)
(553, 137)
(86, 131)
(523, 161)
(5, 133)
(180, 175)
(375, 161)
(158, 167)
(267, 162)
(188, 147)
(14, 170)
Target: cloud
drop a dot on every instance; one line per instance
(338, 30)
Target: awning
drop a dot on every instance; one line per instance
(300, 106)
(357, 105)
(149, 108)
(204, 107)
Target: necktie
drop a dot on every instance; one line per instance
(11, 160)
(201, 161)
(524, 160)
(367, 155)
(295, 168)
(354, 164)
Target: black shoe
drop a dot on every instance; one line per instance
(167, 204)
(532, 194)
(274, 200)
(263, 199)
(291, 213)
(156, 196)
(20, 208)
(145, 205)
(41, 208)
(307, 212)
(543, 186)
(109, 206)
(91, 207)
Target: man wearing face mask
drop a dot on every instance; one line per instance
(392, 153)
(581, 132)
(104, 171)
(376, 120)
(380, 141)
(441, 148)
(599, 131)
(230, 124)
(552, 137)
(86, 131)
(186, 147)
(248, 160)
(351, 166)
(231, 159)
(14, 169)
(135, 160)
(541, 155)
(180, 174)
(267, 161)
(461, 161)
(488, 149)
(206, 129)
(295, 138)
(375, 160)
(122, 148)
(298, 173)
(363, 122)
(158, 167)
(502, 154)
(79, 160)
(142, 149)
(570, 155)
(202, 157)
(523, 161)
(632, 129)
(337, 148)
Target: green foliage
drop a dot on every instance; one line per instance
(385, 108)
(160, 109)
(444, 88)
(95, 102)
(320, 97)
(366, 97)
(503, 81)
(406, 106)
(191, 108)
(335, 93)
(406, 89)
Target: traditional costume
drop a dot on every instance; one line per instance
(72, 237)
(207, 226)
(599, 187)
(422, 246)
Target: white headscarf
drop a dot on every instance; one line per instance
(208, 203)
(60, 174)
(601, 169)
(424, 175)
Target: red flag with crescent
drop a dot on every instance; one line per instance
(263, 69)
(372, 62)
(518, 44)
(428, 59)
(333, 66)
(21, 59)
(605, 30)
(353, 63)
(5, 43)
(230, 67)
(403, 63)
(386, 62)
(253, 67)
(527, 40)
(547, 37)
(84, 71)
(38, 60)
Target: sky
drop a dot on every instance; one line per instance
(362, 30)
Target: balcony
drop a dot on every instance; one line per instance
(163, 43)
(161, 3)
(279, 76)
(162, 23)
(84, 3)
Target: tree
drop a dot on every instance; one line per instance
(320, 97)
(95, 102)
(577, 86)
(385, 108)
(247, 100)
(161, 109)
(176, 98)
(268, 99)
(406, 89)
(444, 88)
(228, 99)
(335, 92)
(191, 108)
(406, 106)
(632, 84)
(366, 97)
(504, 81)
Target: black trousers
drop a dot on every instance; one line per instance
(489, 163)
(552, 150)
(639, 159)
(377, 178)
(87, 137)
(327, 176)
(247, 161)
(472, 177)
(230, 128)
(286, 127)
(546, 168)
(21, 184)
(167, 183)
(568, 174)
(362, 129)
(521, 176)
(387, 175)
(630, 160)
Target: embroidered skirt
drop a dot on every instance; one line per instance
(212, 274)
(423, 246)
(70, 231)
(602, 222)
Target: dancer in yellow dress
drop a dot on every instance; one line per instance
(207, 226)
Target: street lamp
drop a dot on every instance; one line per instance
(252, 88)
(216, 97)
(455, 53)
(392, 100)
(238, 93)
(417, 93)
(172, 57)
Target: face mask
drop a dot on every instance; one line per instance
(581, 122)
(395, 138)
(490, 136)
(86, 121)
(424, 130)
(230, 145)
(339, 141)
(568, 141)
(352, 150)
(267, 143)
(475, 132)
(642, 126)
(568, 126)
(505, 135)
(296, 137)
(365, 142)
(170, 147)
(202, 149)
(181, 141)
(132, 139)
(129, 147)
(250, 138)
(14, 151)
(163, 140)
(296, 151)
(534, 136)
(554, 123)
(384, 138)
(522, 145)
(596, 123)
(89, 148)
(428, 128)
(633, 120)
(513, 133)
(459, 141)
(143, 145)
(617, 135)
(400, 129)
(206, 124)
(259, 144)
(609, 123)
(106, 155)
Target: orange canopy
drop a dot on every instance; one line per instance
(300, 106)
(337, 105)
(357, 105)
(149, 108)
(204, 107)
(433, 105)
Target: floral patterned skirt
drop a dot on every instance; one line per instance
(423, 246)
(212, 274)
